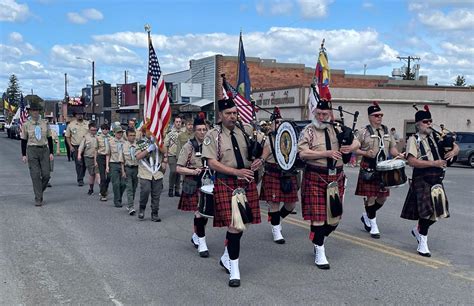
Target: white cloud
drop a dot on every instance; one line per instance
(311, 9)
(85, 16)
(92, 14)
(459, 19)
(367, 5)
(12, 11)
(459, 49)
(274, 7)
(76, 18)
(15, 37)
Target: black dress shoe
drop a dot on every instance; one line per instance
(234, 283)
(154, 217)
(177, 194)
(170, 193)
(141, 213)
(80, 183)
(204, 254)
(323, 267)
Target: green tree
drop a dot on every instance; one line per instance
(13, 90)
(460, 81)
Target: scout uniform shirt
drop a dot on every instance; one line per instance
(77, 130)
(129, 152)
(183, 138)
(187, 157)
(36, 133)
(88, 145)
(217, 145)
(414, 144)
(146, 165)
(116, 150)
(171, 142)
(270, 159)
(315, 140)
(103, 144)
(367, 143)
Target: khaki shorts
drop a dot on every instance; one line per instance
(91, 168)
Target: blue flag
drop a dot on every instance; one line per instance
(243, 78)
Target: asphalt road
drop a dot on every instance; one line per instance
(78, 250)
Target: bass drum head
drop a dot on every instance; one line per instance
(286, 145)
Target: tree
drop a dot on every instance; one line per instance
(13, 90)
(460, 81)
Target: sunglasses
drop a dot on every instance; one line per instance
(378, 115)
(426, 121)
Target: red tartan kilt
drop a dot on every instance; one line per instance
(270, 190)
(370, 188)
(313, 193)
(223, 196)
(189, 202)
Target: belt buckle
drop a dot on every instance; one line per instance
(332, 171)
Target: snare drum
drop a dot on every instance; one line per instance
(392, 172)
(206, 201)
(286, 144)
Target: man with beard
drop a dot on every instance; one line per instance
(37, 150)
(375, 194)
(324, 179)
(225, 148)
(277, 186)
(75, 132)
(171, 143)
(190, 165)
(426, 200)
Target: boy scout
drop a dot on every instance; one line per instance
(103, 149)
(171, 144)
(37, 149)
(131, 169)
(115, 165)
(88, 147)
(75, 132)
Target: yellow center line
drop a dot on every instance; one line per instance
(379, 247)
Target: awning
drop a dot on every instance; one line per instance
(195, 106)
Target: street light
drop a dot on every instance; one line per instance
(93, 79)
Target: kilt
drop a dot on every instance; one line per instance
(223, 196)
(270, 190)
(189, 202)
(370, 188)
(418, 201)
(313, 193)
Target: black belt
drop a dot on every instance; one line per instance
(321, 170)
(35, 146)
(114, 162)
(225, 176)
(127, 166)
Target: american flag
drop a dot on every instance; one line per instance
(23, 111)
(157, 110)
(244, 107)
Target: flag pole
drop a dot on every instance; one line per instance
(145, 104)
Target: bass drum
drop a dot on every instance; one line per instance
(286, 144)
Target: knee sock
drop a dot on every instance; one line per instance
(317, 234)
(423, 225)
(274, 217)
(329, 229)
(200, 226)
(233, 245)
(284, 212)
(370, 210)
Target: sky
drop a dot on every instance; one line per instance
(40, 40)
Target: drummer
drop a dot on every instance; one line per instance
(190, 165)
(225, 148)
(277, 186)
(370, 186)
(323, 186)
(426, 200)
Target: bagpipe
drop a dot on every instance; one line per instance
(445, 141)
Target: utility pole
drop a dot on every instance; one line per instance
(92, 98)
(365, 68)
(125, 77)
(409, 58)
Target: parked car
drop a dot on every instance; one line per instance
(465, 141)
(15, 130)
